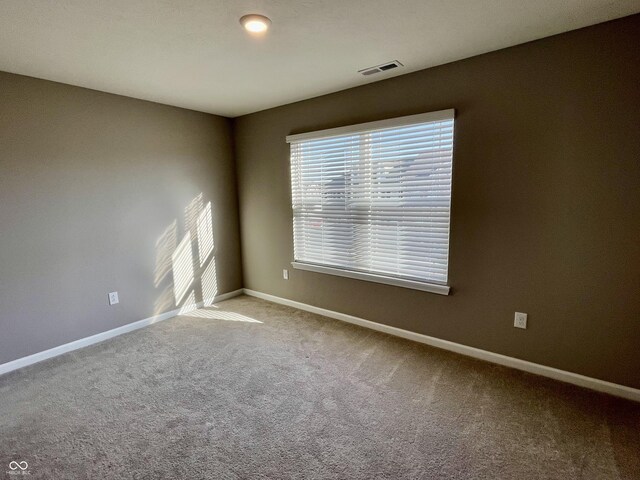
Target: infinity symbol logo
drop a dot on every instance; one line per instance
(21, 465)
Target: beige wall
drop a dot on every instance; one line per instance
(546, 201)
(96, 193)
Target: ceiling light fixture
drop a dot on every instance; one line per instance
(255, 23)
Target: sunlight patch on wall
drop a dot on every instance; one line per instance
(192, 213)
(191, 260)
(182, 261)
(189, 304)
(209, 280)
(205, 234)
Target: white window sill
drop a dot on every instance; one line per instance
(372, 277)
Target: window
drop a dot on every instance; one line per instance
(372, 201)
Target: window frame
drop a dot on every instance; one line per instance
(427, 286)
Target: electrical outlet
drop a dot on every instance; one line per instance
(113, 298)
(520, 320)
(285, 274)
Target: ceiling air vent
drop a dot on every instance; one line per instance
(381, 68)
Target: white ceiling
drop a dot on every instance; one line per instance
(194, 53)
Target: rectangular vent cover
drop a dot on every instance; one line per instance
(381, 68)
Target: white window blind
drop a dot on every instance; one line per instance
(374, 199)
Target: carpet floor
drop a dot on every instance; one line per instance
(249, 389)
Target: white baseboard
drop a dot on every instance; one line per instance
(100, 337)
(562, 375)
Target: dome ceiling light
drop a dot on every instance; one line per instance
(254, 23)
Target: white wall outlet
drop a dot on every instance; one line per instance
(520, 320)
(113, 298)
(285, 274)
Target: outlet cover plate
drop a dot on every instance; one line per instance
(520, 320)
(113, 298)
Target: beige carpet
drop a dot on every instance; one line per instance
(250, 389)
